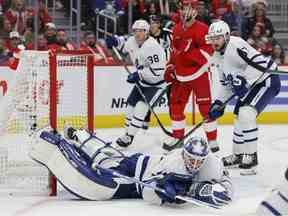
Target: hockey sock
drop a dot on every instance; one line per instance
(247, 119)
(137, 120)
(238, 138)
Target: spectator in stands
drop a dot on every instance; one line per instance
(259, 16)
(5, 30)
(3, 53)
(203, 13)
(62, 41)
(50, 33)
(101, 54)
(278, 55)
(14, 42)
(259, 40)
(137, 13)
(42, 43)
(19, 16)
(28, 39)
(152, 9)
(234, 19)
(43, 15)
(219, 8)
(1, 7)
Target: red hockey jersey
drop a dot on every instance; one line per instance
(190, 52)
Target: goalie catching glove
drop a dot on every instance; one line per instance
(211, 193)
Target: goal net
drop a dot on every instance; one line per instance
(41, 94)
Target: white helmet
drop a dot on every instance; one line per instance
(195, 151)
(141, 25)
(218, 28)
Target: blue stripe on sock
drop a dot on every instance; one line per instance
(251, 140)
(239, 135)
(238, 142)
(136, 126)
(251, 130)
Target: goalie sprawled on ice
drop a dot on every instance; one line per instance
(92, 169)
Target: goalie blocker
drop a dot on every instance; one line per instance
(86, 164)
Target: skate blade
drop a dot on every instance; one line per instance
(232, 166)
(246, 172)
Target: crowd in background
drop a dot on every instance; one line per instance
(246, 18)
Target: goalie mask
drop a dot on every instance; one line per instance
(218, 35)
(194, 153)
(188, 10)
(141, 30)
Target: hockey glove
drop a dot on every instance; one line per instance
(239, 86)
(216, 109)
(169, 75)
(211, 193)
(133, 77)
(112, 41)
(173, 185)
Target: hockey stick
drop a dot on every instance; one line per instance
(243, 55)
(179, 143)
(137, 181)
(141, 93)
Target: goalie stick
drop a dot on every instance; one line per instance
(142, 94)
(137, 181)
(115, 173)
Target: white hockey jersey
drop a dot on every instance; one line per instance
(149, 59)
(230, 64)
(212, 167)
(212, 170)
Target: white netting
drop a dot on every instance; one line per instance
(25, 108)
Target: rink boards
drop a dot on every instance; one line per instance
(111, 91)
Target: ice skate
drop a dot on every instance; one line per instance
(69, 132)
(125, 140)
(214, 147)
(172, 143)
(232, 161)
(248, 164)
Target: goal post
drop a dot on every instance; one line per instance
(42, 92)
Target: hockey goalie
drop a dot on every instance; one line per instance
(90, 168)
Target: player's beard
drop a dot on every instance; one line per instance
(91, 44)
(51, 39)
(62, 42)
(220, 47)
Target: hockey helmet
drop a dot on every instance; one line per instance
(216, 29)
(141, 25)
(195, 151)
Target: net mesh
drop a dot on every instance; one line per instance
(26, 108)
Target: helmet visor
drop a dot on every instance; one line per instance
(210, 39)
(192, 164)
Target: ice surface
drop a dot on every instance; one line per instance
(249, 190)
